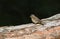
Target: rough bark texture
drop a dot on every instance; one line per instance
(50, 30)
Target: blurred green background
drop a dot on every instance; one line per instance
(16, 12)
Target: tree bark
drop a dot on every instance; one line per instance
(50, 30)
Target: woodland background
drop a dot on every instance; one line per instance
(16, 12)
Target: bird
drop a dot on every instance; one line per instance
(35, 19)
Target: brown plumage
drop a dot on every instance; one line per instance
(35, 19)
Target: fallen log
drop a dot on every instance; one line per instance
(49, 30)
